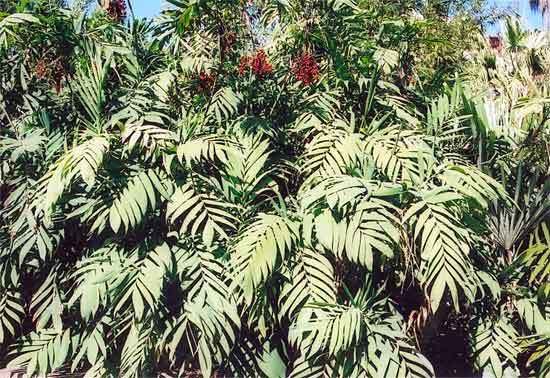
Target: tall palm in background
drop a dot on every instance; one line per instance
(183, 196)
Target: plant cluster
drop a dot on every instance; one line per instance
(195, 198)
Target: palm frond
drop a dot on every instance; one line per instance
(369, 227)
(444, 243)
(141, 195)
(200, 212)
(312, 281)
(260, 248)
(494, 346)
(43, 352)
(330, 154)
(11, 314)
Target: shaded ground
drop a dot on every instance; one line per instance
(448, 352)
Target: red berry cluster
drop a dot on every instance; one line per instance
(41, 69)
(206, 82)
(495, 42)
(117, 10)
(305, 68)
(52, 71)
(257, 63)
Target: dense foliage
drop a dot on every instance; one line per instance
(273, 188)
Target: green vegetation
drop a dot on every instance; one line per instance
(273, 188)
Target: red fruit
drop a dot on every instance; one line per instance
(41, 69)
(206, 82)
(257, 63)
(244, 63)
(260, 65)
(117, 10)
(51, 70)
(305, 68)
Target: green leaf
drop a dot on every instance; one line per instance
(11, 314)
(200, 214)
(272, 365)
(140, 197)
(260, 247)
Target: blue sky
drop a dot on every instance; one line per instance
(530, 19)
(146, 8)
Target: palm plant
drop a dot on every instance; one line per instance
(189, 195)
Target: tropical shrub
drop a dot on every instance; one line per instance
(277, 188)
